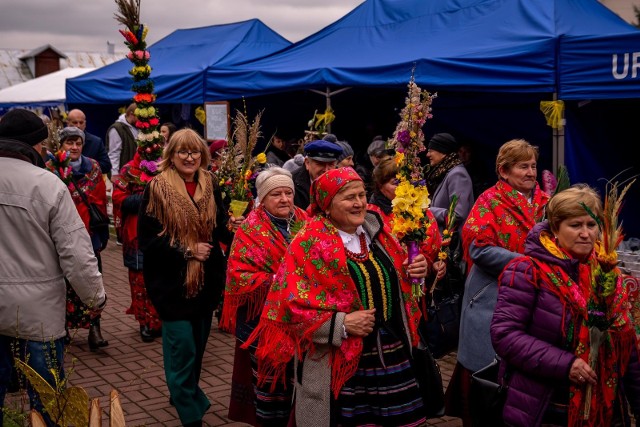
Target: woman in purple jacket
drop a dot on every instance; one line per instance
(552, 306)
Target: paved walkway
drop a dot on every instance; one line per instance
(135, 368)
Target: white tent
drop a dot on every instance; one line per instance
(46, 90)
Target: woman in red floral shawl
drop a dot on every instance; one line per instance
(127, 198)
(82, 175)
(341, 304)
(257, 251)
(493, 235)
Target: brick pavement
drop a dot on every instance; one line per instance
(135, 368)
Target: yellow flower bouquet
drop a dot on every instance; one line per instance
(411, 195)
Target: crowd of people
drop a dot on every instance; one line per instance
(311, 282)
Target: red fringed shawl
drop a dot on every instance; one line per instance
(502, 217)
(430, 246)
(312, 284)
(93, 187)
(127, 184)
(256, 254)
(614, 353)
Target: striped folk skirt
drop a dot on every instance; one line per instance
(384, 390)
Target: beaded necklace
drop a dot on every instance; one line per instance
(364, 252)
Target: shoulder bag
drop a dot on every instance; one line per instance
(429, 380)
(488, 393)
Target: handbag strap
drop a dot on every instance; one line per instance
(84, 196)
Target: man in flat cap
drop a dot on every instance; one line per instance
(319, 157)
(43, 240)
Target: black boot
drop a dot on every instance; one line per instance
(145, 334)
(95, 336)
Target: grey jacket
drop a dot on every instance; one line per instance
(42, 240)
(478, 302)
(456, 182)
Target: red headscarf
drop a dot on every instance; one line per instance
(327, 185)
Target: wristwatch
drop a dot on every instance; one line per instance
(188, 254)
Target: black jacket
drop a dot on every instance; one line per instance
(302, 184)
(94, 149)
(165, 267)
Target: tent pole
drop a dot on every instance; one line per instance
(328, 102)
(558, 141)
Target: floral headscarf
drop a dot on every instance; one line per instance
(324, 189)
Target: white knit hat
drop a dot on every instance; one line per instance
(271, 178)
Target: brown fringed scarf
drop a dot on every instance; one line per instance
(186, 221)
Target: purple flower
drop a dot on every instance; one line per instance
(149, 165)
(404, 138)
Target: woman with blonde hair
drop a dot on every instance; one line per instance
(181, 224)
(549, 302)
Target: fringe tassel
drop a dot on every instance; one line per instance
(343, 368)
(194, 279)
(183, 223)
(275, 349)
(254, 301)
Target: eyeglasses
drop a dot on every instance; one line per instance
(184, 155)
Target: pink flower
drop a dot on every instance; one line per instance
(149, 165)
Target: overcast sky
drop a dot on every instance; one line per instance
(87, 25)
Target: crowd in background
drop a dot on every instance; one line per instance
(312, 282)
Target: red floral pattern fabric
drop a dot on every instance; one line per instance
(614, 353)
(502, 217)
(430, 246)
(312, 284)
(129, 183)
(93, 186)
(256, 254)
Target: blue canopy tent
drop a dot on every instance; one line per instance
(552, 46)
(180, 62)
(572, 49)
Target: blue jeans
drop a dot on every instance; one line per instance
(41, 356)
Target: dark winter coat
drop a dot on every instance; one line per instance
(94, 149)
(527, 333)
(302, 183)
(165, 267)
